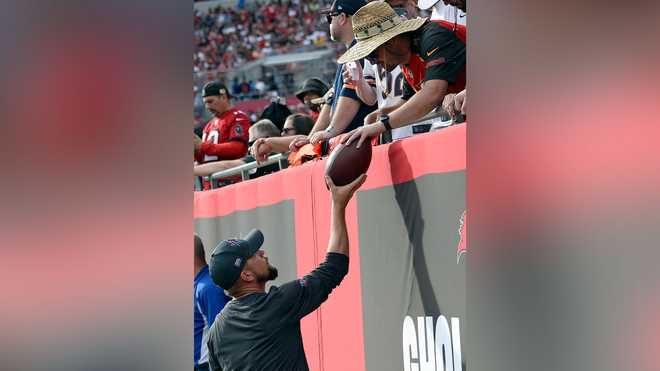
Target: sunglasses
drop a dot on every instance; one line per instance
(286, 131)
(328, 17)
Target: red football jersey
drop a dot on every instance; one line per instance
(414, 72)
(232, 125)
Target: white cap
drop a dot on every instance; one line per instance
(426, 4)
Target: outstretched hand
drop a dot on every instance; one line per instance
(342, 194)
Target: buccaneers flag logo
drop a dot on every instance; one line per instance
(462, 233)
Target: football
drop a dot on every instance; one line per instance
(346, 162)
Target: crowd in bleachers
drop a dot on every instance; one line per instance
(226, 38)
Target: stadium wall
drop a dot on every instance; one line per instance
(402, 305)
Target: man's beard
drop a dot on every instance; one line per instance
(271, 276)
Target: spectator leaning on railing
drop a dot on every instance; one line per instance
(226, 135)
(296, 126)
(260, 130)
(389, 87)
(345, 111)
(431, 55)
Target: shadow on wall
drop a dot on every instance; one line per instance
(408, 200)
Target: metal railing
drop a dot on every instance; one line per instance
(433, 120)
(245, 170)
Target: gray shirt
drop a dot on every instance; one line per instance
(261, 331)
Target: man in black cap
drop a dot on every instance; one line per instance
(260, 330)
(312, 89)
(225, 137)
(346, 110)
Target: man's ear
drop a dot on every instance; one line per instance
(247, 275)
(343, 18)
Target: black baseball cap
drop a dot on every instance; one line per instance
(312, 85)
(229, 257)
(214, 88)
(344, 6)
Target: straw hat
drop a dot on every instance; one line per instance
(375, 24)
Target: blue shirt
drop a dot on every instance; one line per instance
(208, 301)
(345, 91)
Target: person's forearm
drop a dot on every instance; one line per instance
(225, 151)
(338, 241)
(397, 103)
(346, 110)
(214, 167)
(323, 120)
(281, 144)
(423, 102)
(366, 92)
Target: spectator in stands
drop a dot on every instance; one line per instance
(225, 38)
(260, 130)
(431, 55)
(297, 126)
(263, 128)
(405, 8)
(448, 10)
(345, 111)
(260, 330)
(226, 135)
(236, 87)
(245, 89)
(311, 89)
(389, 84)
(260, 87)
(209, 300)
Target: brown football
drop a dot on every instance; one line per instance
(346, 162)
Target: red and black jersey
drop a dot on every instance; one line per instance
(438, 53)
(225, 137)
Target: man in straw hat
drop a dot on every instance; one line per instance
(389, 84)
(431, 55)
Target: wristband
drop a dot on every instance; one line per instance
(385, 119)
